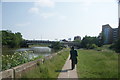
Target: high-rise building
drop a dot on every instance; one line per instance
(115, 34)
(107, 35)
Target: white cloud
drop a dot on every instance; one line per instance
(54, 14)
(38, 4)
(45, 3)
(48, 15)
(22, 24)
(34, 10)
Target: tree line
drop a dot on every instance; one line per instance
(11, 39)
(15, 40)
(89, 42)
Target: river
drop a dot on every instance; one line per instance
(33, 51)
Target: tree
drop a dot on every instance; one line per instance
(18, 39)
(57, 46)
(11, 39)
(88, 41)
(77, 41)
(116, 46)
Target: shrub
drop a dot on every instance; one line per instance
(116, 46)
(91, 46)
(57, 46)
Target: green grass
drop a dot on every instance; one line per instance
(97, 64)
(49, 68)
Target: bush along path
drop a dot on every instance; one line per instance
(49, 69)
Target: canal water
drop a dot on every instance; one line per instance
(33, 52)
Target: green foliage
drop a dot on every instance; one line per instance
(90, 42)
(57, 46)
(91, 46)
(116, 46)
(77, 41)
(9, 61)
(50, 68)
(97, 64)
(11, 39)
(17, 58)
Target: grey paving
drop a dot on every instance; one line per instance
(66, 71)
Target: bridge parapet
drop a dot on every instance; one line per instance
(69, 43)
(38, 41)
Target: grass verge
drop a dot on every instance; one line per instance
(49, 68)
(97, 64)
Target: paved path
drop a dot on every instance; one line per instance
(66, 71)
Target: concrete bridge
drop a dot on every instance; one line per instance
(69, 43)
(38, 42)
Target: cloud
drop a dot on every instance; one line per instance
(34, 10)
(48, 15)
(54, 14)
(45, 3)
(38, 4)
(23, 24)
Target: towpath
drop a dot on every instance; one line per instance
(66, 71)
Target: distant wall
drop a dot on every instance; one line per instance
(18, 71)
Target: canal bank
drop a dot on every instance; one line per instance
(55, 62)
(15, 57)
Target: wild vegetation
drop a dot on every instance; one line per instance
(116, 46)
(57, 46)
(97, 64)
(90, 42)
(11, 39)
(17, 58)
(50, 68)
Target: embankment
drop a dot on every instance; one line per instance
(17, 72)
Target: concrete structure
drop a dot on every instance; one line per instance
(107, 35)
(20, 70)
(69, 43)
(115, 34)
(119, 29)
(100, 36)
(77, 38)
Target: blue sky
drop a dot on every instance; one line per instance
(55, 19)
